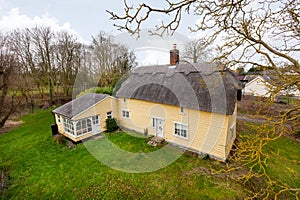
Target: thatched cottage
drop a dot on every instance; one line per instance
(191, 105)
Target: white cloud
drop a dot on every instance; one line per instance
(152, 56)
(14, 19)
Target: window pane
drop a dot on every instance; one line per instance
(181, 130)
(183, 133)
(68, 126)
(108, 115)
(89, 123)
(125, 114)
(95, 119)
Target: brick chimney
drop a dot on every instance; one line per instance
(174, 55)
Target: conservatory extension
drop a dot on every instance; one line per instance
(81, 118)
(81, 127)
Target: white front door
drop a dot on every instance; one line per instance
(96, 128)
(160, 127)
(96, 124)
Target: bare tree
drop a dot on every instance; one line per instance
(51, 60)
(22, 45)
(110, 60)
(34, 50)
(42, 39)
(197, 51)
(8, 69)
(67, 58)
(264, 34)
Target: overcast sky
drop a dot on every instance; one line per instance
(86, 18)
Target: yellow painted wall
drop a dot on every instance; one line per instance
(101, 108)
(231, 122)
(59, 124)
(207, 132)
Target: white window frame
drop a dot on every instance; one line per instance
(153, 122)
(181, 130)
(69, 126)
(84, 127)
(125, 116)
(109, 115)
(58, 119)
(95, 119)
(231, 131)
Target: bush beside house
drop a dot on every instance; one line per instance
(111, 125)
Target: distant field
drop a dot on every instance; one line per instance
(40, 169)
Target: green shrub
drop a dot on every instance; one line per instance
(97, 90)
(104, 90)
(111, 125)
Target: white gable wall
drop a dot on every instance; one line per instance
(257, 87)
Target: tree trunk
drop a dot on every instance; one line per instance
(50, 92)
(4, 119)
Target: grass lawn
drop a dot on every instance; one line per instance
(40, 169)
(284, 161)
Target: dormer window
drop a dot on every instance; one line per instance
(181, 110)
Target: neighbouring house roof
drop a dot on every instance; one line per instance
(267, 75)
(195, 86)
(240, 78)
(271, 81)
(251, 79)
(80, 104)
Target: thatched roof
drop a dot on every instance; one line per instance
(199, 86)
(79, 104)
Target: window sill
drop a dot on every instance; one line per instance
(186, 138)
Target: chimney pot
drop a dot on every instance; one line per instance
(174, 55)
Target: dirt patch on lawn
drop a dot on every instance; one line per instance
(4, 178)
(10, 125)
